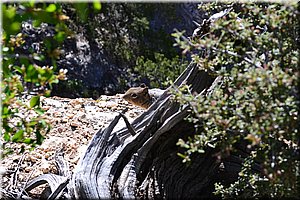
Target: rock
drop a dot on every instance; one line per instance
(46, 166)
(52, 102)
(86, 122)
(33, 159)
(65, 120)
(74, 124)
(2, 170)
(28, 169)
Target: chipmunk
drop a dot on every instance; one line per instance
(142, 96)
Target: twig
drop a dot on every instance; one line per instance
(23, 188)
(61, 164)
(236, 55)
(17, 169)
(111, 126)
(128, 125)
(57, 191)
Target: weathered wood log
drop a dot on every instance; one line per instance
(146, 164)
(140, 160)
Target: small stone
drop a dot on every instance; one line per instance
(47, 155)
(57, 114)
(2, 170)
(78, 106)
(28, 169)
(60, 130)
(33, 159)
(74, 124)
(111, 104)
(38, 155)
(70, 115)
(45, 167)
(65, 120)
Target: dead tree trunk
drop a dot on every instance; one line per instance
(144, 163)
(140, 160)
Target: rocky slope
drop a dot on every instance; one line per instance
(74, 122)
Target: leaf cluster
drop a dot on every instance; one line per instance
(24, 80)
(254, 51)
(131, 42)
(161, 71)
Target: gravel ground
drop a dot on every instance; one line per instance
(74, 122)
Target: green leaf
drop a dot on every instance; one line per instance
(47, 93)
(10, 12)
(55, 81)
(39, 137)
(35, 100)
(200, 151)
(32, 123)
(60, 36)
(18, 69)
(38, 57)
(43, 122)
(18, 136)
(15, 27)
(31, 3)
(5, 49)
(5, 111)
(51, 8)
(31, 74)
(181, 155)
(36, 23)
(39, 111)
(97, 5)
(6, 136)
(28, 141)
(20, 87)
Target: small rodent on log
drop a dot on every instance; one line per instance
(142, 96)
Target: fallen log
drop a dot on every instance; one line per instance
(140, 160)
(120, 164)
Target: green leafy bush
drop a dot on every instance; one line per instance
(22, 119)
(254, 50)
(161, 71)
(127, 37)
(24, 81)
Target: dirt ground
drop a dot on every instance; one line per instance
(74, 122)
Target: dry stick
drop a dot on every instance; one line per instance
(17, 169)
(61, 164)
(128, 125)
(62, 186)
(23, 189)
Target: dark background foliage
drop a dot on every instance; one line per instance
(110, 47)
